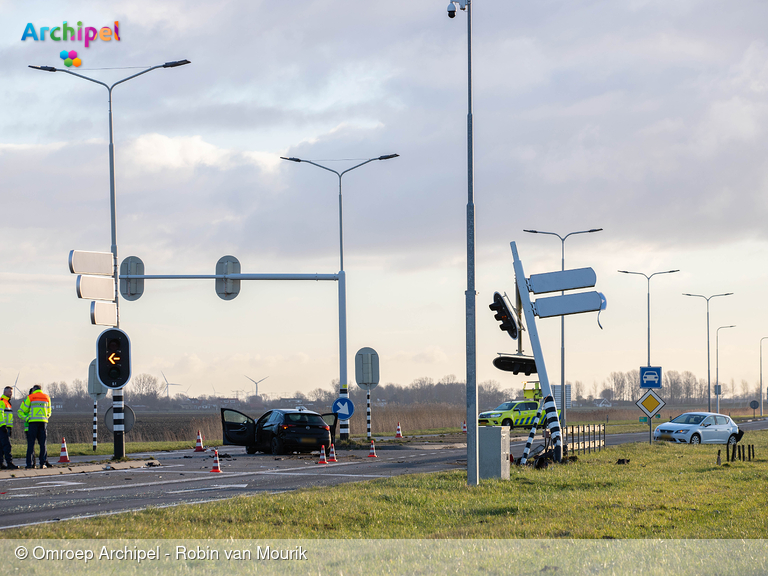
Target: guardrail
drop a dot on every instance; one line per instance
(585, 439)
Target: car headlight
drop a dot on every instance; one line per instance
(494, 415)
(681, 431)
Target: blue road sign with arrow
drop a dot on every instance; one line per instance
(343, 407)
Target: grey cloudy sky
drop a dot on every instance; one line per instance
(645, 118)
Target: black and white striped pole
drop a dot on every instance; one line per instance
(367, 377)
(368, 413)
(96, 391)
(95, 423)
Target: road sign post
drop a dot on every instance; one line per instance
(650, 403)
(367, 377)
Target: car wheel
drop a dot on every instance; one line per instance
(251, 449)
(277, 446)
(732, 440)
(695, 439)
(507, 422)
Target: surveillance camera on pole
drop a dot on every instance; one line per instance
(452, 7)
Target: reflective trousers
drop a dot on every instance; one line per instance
(37, 431)
(5, 446)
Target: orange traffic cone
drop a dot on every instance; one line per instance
(216, 466)
(332, 455)
(64, 454)
(199, 445)
(399, 433)
(372, 453)
(464, 426)
(322, 456)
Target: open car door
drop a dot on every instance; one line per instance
(238, 429)
(331, 419)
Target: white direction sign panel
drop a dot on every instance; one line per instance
(98, 263)
(103, 314)
(650, 403)
(568, 304)
(563, 280)
(96, 288)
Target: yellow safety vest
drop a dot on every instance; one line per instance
(36, 407)
(7, 418)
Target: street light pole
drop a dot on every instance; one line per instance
(761, 373)
(117, 395)
(473, 464)
(717, 364)
(709, 380)
(343, 424)
(562, 318)
(648, 278)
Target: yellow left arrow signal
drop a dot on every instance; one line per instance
(113, 359)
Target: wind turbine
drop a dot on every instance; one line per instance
(256, 384)
(167, 385)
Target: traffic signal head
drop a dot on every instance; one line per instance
(113, 358)
(504, 315)
(516, 364)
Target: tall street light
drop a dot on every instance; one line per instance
(649, 301)
(473, 464)
(117, 395)
(562, 318)
(761, 373)
(717, 364)
(709, 381)
(344, 424)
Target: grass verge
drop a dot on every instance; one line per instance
(666, 491)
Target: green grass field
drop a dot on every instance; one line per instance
(666, 491)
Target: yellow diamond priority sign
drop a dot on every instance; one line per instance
(650, 403)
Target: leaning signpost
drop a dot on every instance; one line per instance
(546, 308)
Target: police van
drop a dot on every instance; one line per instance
(516, 412)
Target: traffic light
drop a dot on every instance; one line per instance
(504, 315)
(516, 364)
(113, 358)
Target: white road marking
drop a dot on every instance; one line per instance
(228, 475)
(214, 487)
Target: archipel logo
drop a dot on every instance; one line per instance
(64, 33)
(68, 33)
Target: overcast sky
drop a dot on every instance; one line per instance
(645, 118)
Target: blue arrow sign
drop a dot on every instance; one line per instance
(343, 407)
(650, 377)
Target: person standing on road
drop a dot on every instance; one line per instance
(6, 427)
(36, 409)
(26, 432)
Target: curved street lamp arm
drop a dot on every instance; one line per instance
(129, 77)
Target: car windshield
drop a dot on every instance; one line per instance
(505, 406)
(689, 419)
(304, 418)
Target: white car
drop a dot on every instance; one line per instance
(699, 428)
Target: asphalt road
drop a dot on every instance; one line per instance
(186, 477)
